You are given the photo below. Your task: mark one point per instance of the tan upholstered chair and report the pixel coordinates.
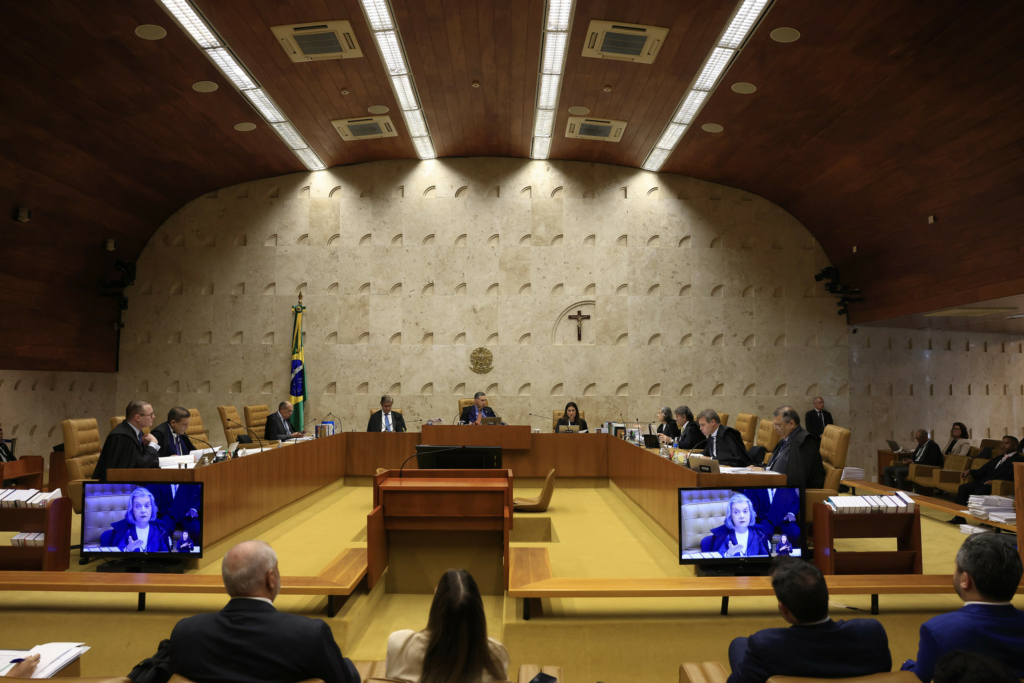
(1002, 488)
(114, 421)
(106, 506)
(466, 402)
(835, 442)
(557, 415)
(746, 424)
(703, 672)
(234, 428)
(928, 476)
(81, 453)
(196, 427)
(724, 417)
(541, 502)
(256, 418)
(949, 481)
(887, 677)
(767, 435)
(702, 511)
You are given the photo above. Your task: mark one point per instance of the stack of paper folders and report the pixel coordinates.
(1006, 517)
(26, 540)
(972, 529)
(174, 462)
(982, 507)
(899, 501)
(26, 498)
(853, 474)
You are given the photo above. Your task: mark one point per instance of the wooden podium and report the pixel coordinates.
(509, 437)
(475, 503)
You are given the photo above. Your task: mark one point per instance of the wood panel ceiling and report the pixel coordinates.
(882, 114)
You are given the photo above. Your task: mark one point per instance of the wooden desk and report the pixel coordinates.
(509, 437)
(367, 451)
(244, 490)
(26, 470)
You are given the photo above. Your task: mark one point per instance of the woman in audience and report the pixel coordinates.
(140, 531)
(454, 648)
(959, 440)
(572, 418)
(738, 538)
(666, 425)
(689, 431)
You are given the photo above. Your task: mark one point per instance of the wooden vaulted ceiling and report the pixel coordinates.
(882, 114)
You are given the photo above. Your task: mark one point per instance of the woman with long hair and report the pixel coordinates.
(454, 648)
(959, 440)
(572, 418)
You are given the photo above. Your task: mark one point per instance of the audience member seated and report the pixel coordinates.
(170, 436)
(798, 454)
(926, 453)
(454, 646)
(967, 667)
(126, 446)
(278, 428)
(959, 440)
(572, 418)
(249, 641)
(988, 571)
(996, 469)
(724, 444)
(23, 669)
(814, 646)
(739, 536)
(689, 431)
(666, 425)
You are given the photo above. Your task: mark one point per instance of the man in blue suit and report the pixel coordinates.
(814, 646)
(472, 415)
(988, 571)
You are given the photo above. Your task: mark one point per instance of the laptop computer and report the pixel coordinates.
(490, 421)
(651, 441)
(705, 465)
(895, 447)
(568, 429)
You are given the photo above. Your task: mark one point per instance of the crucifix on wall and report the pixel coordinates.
(579, 318)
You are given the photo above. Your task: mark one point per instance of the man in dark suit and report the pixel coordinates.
(249, 641)
(386, 420)
(814, 646)
(278, 427)
(478, 411)
(817, 419)
(126, 446)
(996, 469)
(170, 435)
(725, 444)
(179, 507)
(775, 511)
(988, 572)
(5, 452)
(926, 453)
(798, 453)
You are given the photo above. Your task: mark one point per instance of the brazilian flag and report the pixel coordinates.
(298, 382)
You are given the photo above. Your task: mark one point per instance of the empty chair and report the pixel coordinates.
(256, 418)
(231, 421)
(746, 425)
(541, 502)
(82, 448)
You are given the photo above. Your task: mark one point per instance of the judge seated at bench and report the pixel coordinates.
(571, 418)
(724, 444)
(798, 453)
(278, 427)
(385, 419)
(739, 537)
(140, 531)
(689, 432)
(666, 425)
(126, 446)
(474, 414)
(170, 435)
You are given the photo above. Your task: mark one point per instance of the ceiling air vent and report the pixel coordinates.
(628, 42)
(586, 128)
(319, 40)
(365, 128)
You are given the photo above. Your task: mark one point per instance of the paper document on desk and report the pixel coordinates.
(745, 470)
(52, 657)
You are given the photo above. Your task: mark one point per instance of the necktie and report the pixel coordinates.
(139, 435)
(479, 415)
(714, 447)
(174, 437)
(387, 424)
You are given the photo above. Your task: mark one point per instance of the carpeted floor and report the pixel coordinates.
(588, 532)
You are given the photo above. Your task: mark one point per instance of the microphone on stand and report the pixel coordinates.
(248, 430)
(332, 415)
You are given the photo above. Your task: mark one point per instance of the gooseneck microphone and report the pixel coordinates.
(248, 430)
(443, 450)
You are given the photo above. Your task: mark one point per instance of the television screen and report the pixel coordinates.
(458, 457)
(740, 525)
(122, 519)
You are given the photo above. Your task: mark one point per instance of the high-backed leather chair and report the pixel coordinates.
(114, 421)
(557, 415)
(767, 435)
(196, 427)
(746, 425)
(234, 428)
(702, 512)
(106, 505)
(256, 418)
(724, 418)
(466, 402)
(929, 477)
(835, 442)
(541, 502)
(82, 448)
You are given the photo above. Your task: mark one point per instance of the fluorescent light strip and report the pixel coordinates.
(234, 72)
(547, 95)
(541, 148)
(391, 52)
(310, 158)
(741, 23)
(554, 53)
(732, 39)
(417, 126)
(290, 135)
(260, 100)
(191, 22)
(713, 68)
(544, 120)
(378, 14)
(559, 15)
(404, 91)
(424, 148)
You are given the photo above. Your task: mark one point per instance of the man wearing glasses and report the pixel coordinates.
(126, 446)
(798, 453)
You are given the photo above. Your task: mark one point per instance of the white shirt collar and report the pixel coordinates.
(246, 597)
(138, 432)
(981, 602)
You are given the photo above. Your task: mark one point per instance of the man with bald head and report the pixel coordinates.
(926, 453)
(249, 641)
(278, 427)
(816, 420)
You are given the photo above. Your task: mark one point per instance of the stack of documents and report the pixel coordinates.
(52, 657)
(972, 529)
(1006, 517)
(853, 474)
(899, 501)
(983, 506)
(26, 540)
(26, 498)
(174, 462)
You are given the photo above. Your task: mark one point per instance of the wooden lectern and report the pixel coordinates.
(424, 501)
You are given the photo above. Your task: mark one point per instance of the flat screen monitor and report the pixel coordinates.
(142, 519)
(458, 457)
(743, 525)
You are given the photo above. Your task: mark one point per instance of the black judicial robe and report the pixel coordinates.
(122, 450)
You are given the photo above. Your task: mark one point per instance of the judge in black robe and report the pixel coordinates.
(127, 447)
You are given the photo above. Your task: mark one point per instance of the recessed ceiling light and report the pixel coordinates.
(785, 35)
(712, 128)
(245, 127)
(744, 88)
(476, 84)
(579, 111)
(607, 88)
(344, 92)
(378, 109)
(204, 86)
(151, 32)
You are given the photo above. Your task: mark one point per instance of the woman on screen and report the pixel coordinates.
(784, 547)
(140, 531)
(739, 538)
(572, 418)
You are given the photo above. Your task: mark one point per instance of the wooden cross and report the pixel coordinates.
(579, 318)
